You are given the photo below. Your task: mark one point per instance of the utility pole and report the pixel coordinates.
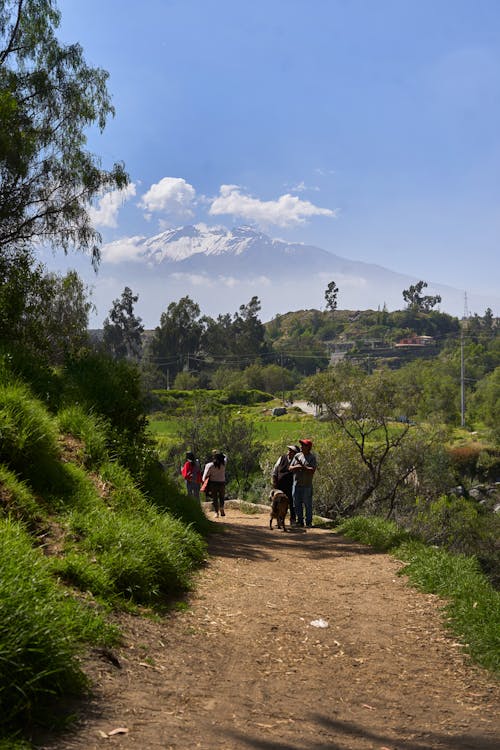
(462, 380)
(462, 363)
(282, 380)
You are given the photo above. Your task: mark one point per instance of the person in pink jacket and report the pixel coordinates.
(215, 472)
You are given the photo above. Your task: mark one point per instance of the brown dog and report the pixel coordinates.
(279, 507)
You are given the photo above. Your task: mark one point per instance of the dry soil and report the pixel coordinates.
(245, 664)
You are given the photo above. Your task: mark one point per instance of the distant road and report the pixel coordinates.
(307, 407)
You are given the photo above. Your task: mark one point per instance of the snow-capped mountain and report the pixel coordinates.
(223, 268)
(247, 252)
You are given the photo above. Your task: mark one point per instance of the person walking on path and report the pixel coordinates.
(191, 471)
(215, 472)
(303, 465)
(282, 477)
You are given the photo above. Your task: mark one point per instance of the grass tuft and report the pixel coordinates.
(89, 428)
(17, 500)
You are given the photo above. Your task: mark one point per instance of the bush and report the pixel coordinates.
(162, 491)
(108, 387)
(464, 459)
(19, 364)
(461, 526)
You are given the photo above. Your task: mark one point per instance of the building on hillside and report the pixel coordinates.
(415, 340)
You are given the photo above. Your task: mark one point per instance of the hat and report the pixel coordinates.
(293, 448)
(306, 442)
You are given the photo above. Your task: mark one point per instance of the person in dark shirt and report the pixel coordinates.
(303, 465)
(282, 477)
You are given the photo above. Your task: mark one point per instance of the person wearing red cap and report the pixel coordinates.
(303, 465)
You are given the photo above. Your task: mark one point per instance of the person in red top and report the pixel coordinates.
(191, 472)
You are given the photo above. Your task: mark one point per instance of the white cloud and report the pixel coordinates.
(171, 195)
(288, 210)
(301, 187)
(196, 279)
(106, 213)
(324, 172)
(126, 249)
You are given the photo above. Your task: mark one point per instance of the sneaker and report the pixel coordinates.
(300, 523)
(222, 512)
(309, 525)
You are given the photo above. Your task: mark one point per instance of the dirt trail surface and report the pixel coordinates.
(244, 667)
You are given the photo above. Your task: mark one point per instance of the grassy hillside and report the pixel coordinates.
(81, 534)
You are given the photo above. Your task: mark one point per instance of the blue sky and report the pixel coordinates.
(368, 127)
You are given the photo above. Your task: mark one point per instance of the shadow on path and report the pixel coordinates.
(256, 541)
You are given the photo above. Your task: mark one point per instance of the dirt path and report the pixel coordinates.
(243, 667)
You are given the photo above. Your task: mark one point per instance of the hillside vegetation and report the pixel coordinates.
(89, 524)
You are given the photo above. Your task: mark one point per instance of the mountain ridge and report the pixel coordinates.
(222, 268)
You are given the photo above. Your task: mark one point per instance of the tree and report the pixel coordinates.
(66, 306)
(363, 408)
(49, 96)
(205, 426)
(45, 314)
(123, 330)
(331, 294)
(177, 337)
(486, 402)
(239, 339)
(248, 331)
(417, 302)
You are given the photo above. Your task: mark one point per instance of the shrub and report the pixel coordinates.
(17, 363)
(109, 387)
(162, 491)
(464, 460)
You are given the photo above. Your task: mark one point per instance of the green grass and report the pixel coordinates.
(29, 433)
(471, 604)
(163, 427)
(89, 428)
(142, 557)
(287, 428)
(120, 541)
(41, 632)
(17, 499)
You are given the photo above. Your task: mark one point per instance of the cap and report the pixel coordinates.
(293, 448)
(306, 442)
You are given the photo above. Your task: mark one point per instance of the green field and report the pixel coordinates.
(287, 429)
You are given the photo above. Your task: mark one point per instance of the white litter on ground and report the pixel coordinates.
(319, 623)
